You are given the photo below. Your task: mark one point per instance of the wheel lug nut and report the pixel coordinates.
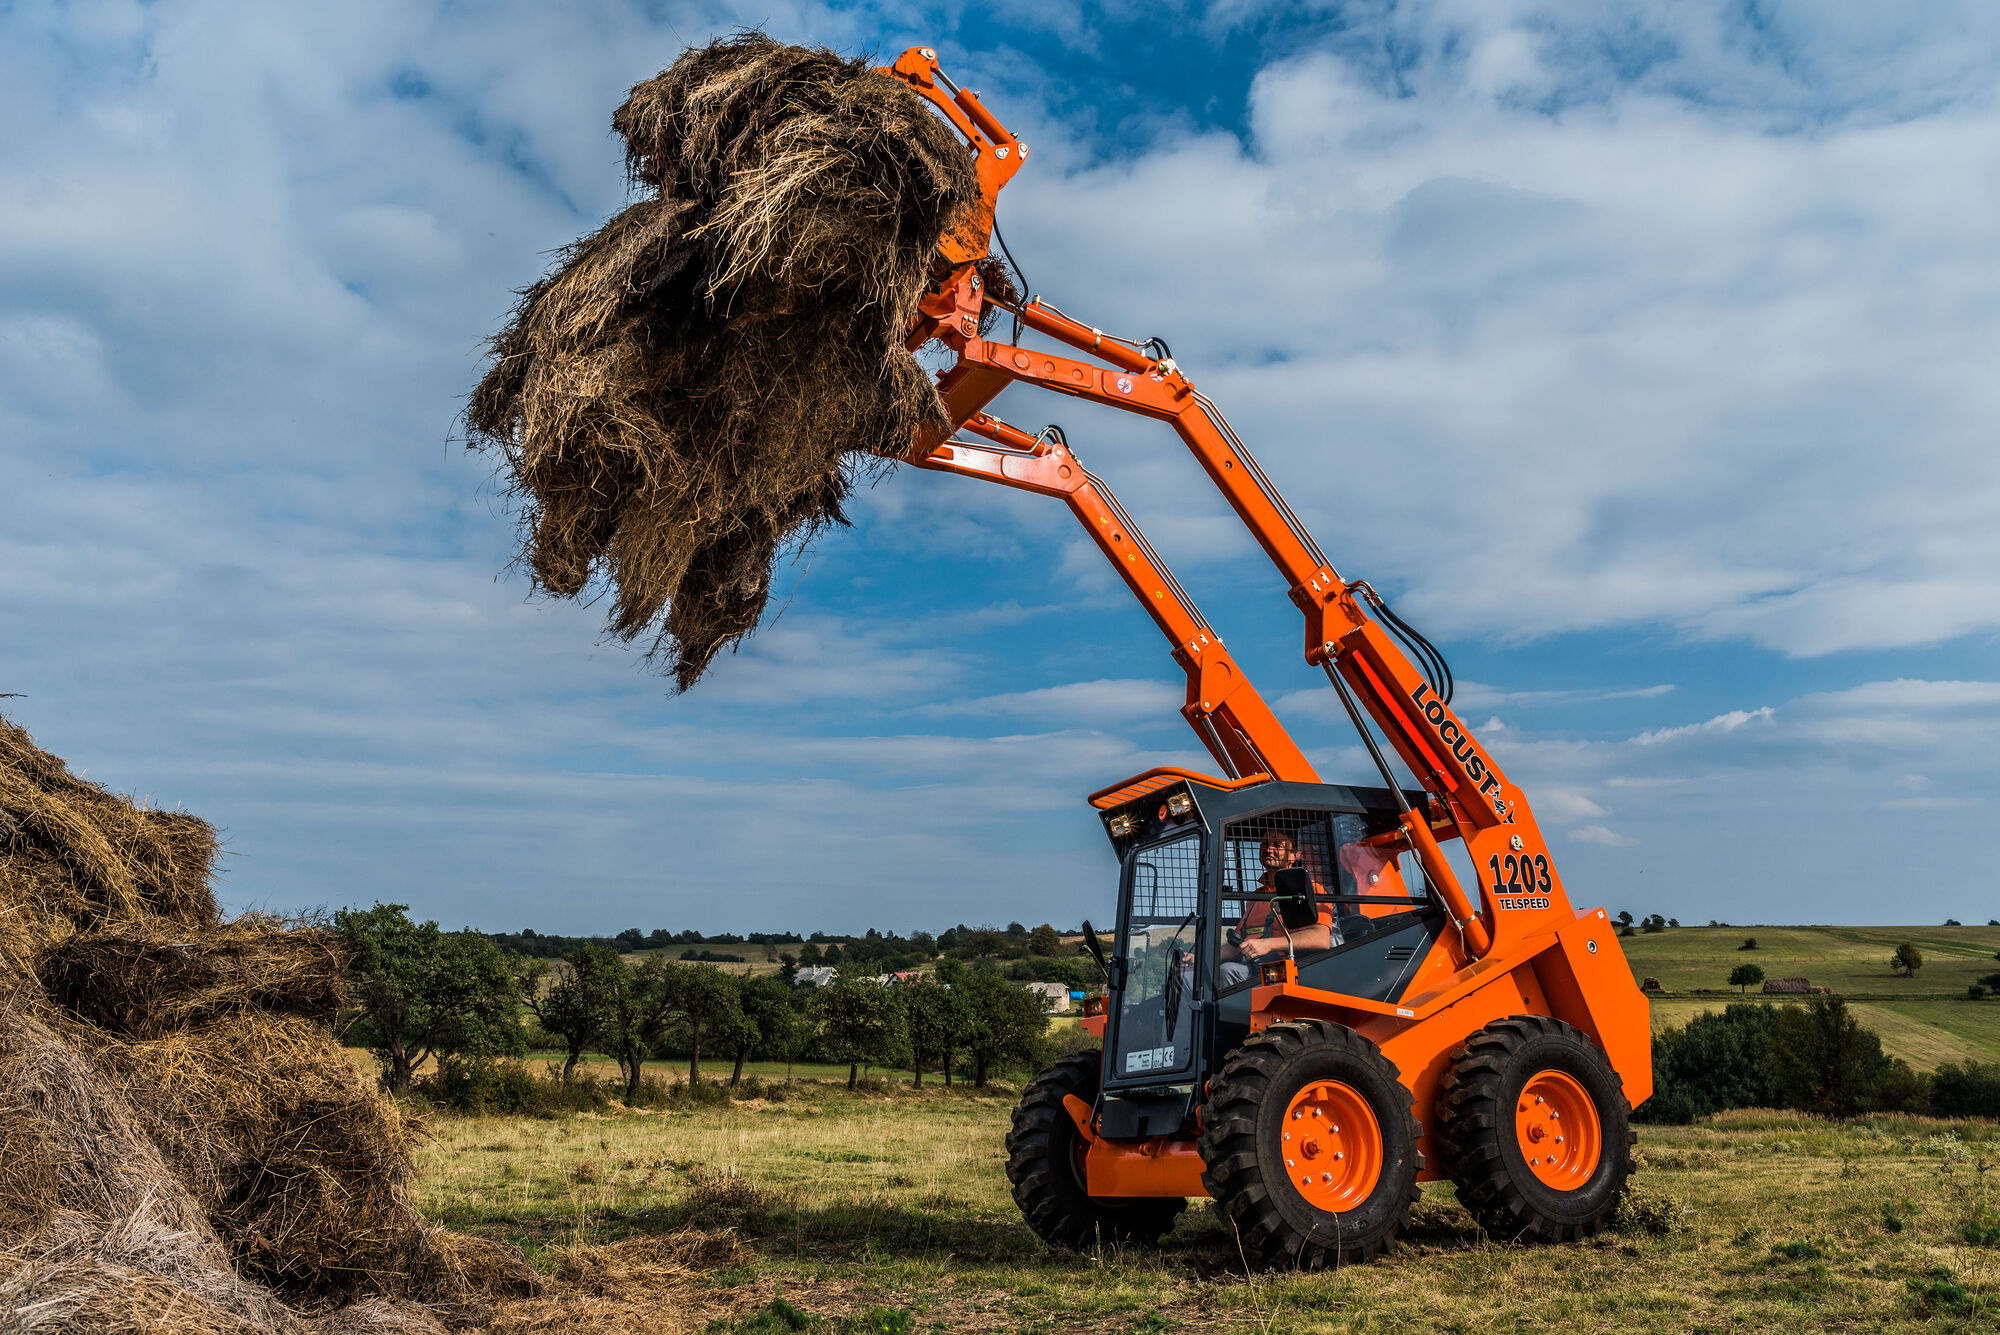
(1340, 1156)
(1326, 1177)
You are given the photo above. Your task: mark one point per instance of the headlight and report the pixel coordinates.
(1122, 825)
(1180, 804)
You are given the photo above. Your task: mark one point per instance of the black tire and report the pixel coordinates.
(1243, 1145)
(1482, 1147)
(1049, 1186)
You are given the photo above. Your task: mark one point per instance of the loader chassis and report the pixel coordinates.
(1479, 1029)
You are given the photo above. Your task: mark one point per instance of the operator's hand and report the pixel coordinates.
(1256, 948)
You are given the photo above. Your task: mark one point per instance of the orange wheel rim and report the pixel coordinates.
(1556, 1127)
(1332, 1146)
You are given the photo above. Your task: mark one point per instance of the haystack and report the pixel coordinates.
(183, 1144)
(695, 386)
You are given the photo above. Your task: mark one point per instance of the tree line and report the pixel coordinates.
(1817, 1058)
(424, 995)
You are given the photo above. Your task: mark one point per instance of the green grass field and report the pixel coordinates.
(888, 1212)
(1853, 961)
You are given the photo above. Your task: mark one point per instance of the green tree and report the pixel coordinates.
(770, 1022)
(860, 1022)
(1823, 1061)
(937, 1022)
(1653, 923)
(427, 993)
(1005, 1023)
(575, 1006)
(1044, 940)
(703, 999)
(1711, 1063)
(1907, 958)
(1745, 976)
(809, 955)
(637, 1017)
(1624, 922)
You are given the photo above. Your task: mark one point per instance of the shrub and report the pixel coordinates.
(1823, 1061)
(1968, 1090)
(1977, 992)
(1749, 943)
(1711, 1063)
(487, 1088)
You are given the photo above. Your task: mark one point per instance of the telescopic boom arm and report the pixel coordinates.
(1223, 708)
(1472, 797)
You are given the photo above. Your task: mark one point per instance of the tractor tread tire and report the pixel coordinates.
(1055, 1203)
(1274, 1230)
(1477, 1137)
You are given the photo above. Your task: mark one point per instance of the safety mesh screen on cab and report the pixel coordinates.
(1166, 882)
(1316, 834)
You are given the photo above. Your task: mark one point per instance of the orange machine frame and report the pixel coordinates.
(1525, 948)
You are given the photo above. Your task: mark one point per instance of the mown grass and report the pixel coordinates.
(889, 1211)
(1853, 961)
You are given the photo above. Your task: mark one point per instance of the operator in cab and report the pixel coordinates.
(1263, 932)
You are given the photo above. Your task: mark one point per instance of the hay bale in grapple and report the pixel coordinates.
(695, 385)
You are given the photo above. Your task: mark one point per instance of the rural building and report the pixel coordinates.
(815, 975)
(1055, 996)
(1795, 986)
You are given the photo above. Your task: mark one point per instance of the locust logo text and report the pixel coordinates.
(1463, 749)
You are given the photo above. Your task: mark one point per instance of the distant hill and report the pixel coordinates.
(1926, 1019)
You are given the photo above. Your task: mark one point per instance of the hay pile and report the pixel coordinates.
(183, 1144)
(696, 383)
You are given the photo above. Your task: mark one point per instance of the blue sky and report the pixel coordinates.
(1643, 352)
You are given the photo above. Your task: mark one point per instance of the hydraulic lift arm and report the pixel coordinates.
(1472, 797)
(1223, 708)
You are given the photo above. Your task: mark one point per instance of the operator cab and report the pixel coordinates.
(1192, 884)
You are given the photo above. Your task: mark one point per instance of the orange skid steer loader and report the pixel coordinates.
(1307, 1011)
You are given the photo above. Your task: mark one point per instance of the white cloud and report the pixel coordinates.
(1730, 722)
(1554, 339)
(1682, 364)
